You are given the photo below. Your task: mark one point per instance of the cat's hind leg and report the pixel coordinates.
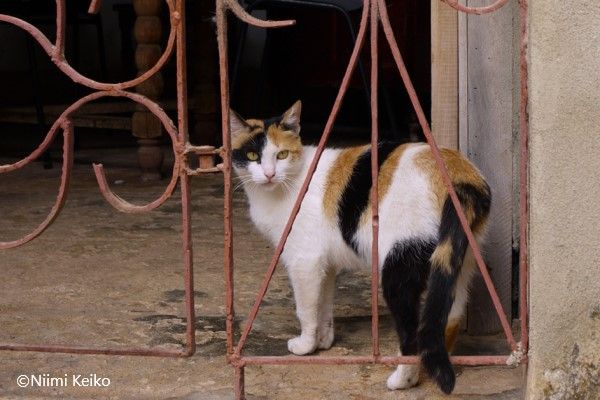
(445, 280)
(307, 280)
(403, 280)
(326, 327)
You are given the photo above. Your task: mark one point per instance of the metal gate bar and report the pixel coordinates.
(378, 13)
(180, 146)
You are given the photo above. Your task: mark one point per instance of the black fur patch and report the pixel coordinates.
(272, 121)
(403, 280)
(256, 144)
(355, 198)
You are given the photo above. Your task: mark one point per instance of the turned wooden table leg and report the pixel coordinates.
(146, 128)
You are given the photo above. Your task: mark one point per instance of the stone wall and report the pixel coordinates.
(565, 199)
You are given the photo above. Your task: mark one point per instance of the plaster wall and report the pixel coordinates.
(564, 51)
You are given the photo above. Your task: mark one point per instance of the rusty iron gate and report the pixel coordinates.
(182, 149)
(374, 14)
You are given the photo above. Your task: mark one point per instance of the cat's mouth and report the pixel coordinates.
(269, 185)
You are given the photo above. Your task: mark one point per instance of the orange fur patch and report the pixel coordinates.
(451, 334)
(255, 127)
(386, 173)
(442, 256)
(285, 140)
(255, 123)
(460, 171)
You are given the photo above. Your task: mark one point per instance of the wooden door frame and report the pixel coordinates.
(444, 74)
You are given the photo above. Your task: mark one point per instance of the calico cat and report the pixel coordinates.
(424, 258)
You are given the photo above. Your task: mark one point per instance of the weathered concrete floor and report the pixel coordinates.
(102, 278)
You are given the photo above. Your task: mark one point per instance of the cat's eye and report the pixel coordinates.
(282, 155)
(252, 155)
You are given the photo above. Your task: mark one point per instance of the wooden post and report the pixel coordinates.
(489, 111)
(444, 74)
(472, 61)
(148, 34)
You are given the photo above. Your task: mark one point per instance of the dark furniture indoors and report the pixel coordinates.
(42, 13)
(348, 10)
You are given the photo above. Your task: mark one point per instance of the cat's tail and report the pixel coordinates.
(445, 265)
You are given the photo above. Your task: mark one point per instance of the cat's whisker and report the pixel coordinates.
(242, 177)
(242, 183)
(290, 185)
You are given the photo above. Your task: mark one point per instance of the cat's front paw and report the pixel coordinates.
(404, 377)
(326, 337)
(301, 345)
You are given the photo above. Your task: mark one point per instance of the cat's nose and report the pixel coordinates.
(269, 175)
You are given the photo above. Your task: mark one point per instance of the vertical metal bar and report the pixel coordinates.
(374, 180)
(239, 383)
(182, 95)
(190, 329)
(58, 53)
(178, 17)
(523, 179)
(226, 155)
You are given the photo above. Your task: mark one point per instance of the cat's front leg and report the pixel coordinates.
(307, 280)
(326, 327)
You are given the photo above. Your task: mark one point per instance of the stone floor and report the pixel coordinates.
(99, 277)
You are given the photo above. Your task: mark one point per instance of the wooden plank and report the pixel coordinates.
(488, 137)
(444, 74)
(463, 87)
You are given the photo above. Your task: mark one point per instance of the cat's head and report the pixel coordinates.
(267, 153)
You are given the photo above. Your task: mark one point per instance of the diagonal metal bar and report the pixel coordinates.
(95, 6)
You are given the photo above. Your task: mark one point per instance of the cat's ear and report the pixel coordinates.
(237, 125)
(291, 118)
